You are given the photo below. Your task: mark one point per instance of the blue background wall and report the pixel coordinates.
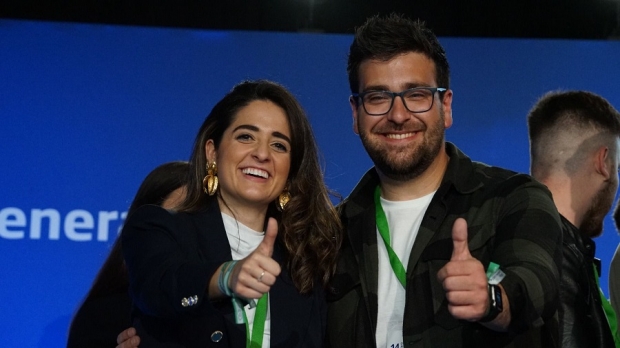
(86, 111)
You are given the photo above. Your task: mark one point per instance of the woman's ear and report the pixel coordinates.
(210, 151)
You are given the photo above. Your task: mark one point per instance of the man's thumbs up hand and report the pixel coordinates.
(464, 279)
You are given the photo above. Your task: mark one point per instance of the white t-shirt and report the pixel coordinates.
(404, 219)
(243, 241)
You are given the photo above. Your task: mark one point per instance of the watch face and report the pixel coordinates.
(497, 297)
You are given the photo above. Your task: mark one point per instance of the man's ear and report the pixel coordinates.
(600, 162)
(446, 104)
(354, 108)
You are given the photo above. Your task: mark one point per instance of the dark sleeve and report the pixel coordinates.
(614, 282)
(528, 248)
(574, 287)
(99, 321)
(164, 263)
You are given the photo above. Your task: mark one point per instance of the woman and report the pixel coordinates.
(106, 310)
(245, 259)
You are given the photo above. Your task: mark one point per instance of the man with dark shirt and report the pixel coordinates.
(574, 144)
(614, 269)
(426, 223)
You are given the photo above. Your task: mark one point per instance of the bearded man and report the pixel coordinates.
(574, 142)
(424, 225)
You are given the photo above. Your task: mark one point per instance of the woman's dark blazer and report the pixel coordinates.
(171, 257)
(99, 320)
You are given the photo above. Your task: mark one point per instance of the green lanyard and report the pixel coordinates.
(258, 328)
(384, 231)
(609, 311)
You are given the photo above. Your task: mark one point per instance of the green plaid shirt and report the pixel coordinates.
(512, 221)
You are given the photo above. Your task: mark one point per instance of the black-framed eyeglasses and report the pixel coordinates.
(417, 99)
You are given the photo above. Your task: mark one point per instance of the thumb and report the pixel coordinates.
(266, 246)
(459, 240)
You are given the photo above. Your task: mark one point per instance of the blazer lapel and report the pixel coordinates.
(290, 312)
(212, 234)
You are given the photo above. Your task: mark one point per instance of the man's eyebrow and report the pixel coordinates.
(408, 85)
(376, 88)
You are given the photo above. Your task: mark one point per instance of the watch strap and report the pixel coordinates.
(495, 304)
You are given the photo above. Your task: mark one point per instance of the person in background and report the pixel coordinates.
(106, 310)
(246, 257)
(423, 227)
(574, 147)
(614, 269)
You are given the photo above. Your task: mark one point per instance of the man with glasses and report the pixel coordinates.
(439, 251)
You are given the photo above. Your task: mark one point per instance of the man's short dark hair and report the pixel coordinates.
(384, 38)
(572, 107)
(556, 122)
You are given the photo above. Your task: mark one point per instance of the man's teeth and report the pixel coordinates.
(400, 136)
(256, 172)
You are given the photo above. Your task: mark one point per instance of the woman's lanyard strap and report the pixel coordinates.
(258, 327)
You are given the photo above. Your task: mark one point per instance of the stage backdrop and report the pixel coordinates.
(86, 111)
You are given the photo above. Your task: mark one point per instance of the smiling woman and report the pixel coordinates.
(251, 248)
(253, 160)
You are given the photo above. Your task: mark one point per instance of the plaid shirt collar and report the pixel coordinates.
(458, 175)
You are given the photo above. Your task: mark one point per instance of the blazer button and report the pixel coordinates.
(217, 336)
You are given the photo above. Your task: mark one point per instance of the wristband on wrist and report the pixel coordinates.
(223, 280)
(494, 274)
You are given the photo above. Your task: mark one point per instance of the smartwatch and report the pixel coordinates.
(496, 306)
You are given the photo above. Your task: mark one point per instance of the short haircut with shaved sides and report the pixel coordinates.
(561, 119)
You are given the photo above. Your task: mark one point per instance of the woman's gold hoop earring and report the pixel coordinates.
(210, 182)
(283, 199)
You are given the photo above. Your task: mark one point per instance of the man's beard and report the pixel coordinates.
(616, 216)
(406, 163)
(592, 224)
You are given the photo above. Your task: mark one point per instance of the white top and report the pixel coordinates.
(243, 241)
(404, 219)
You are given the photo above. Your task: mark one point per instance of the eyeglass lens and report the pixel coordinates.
(414, 99)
